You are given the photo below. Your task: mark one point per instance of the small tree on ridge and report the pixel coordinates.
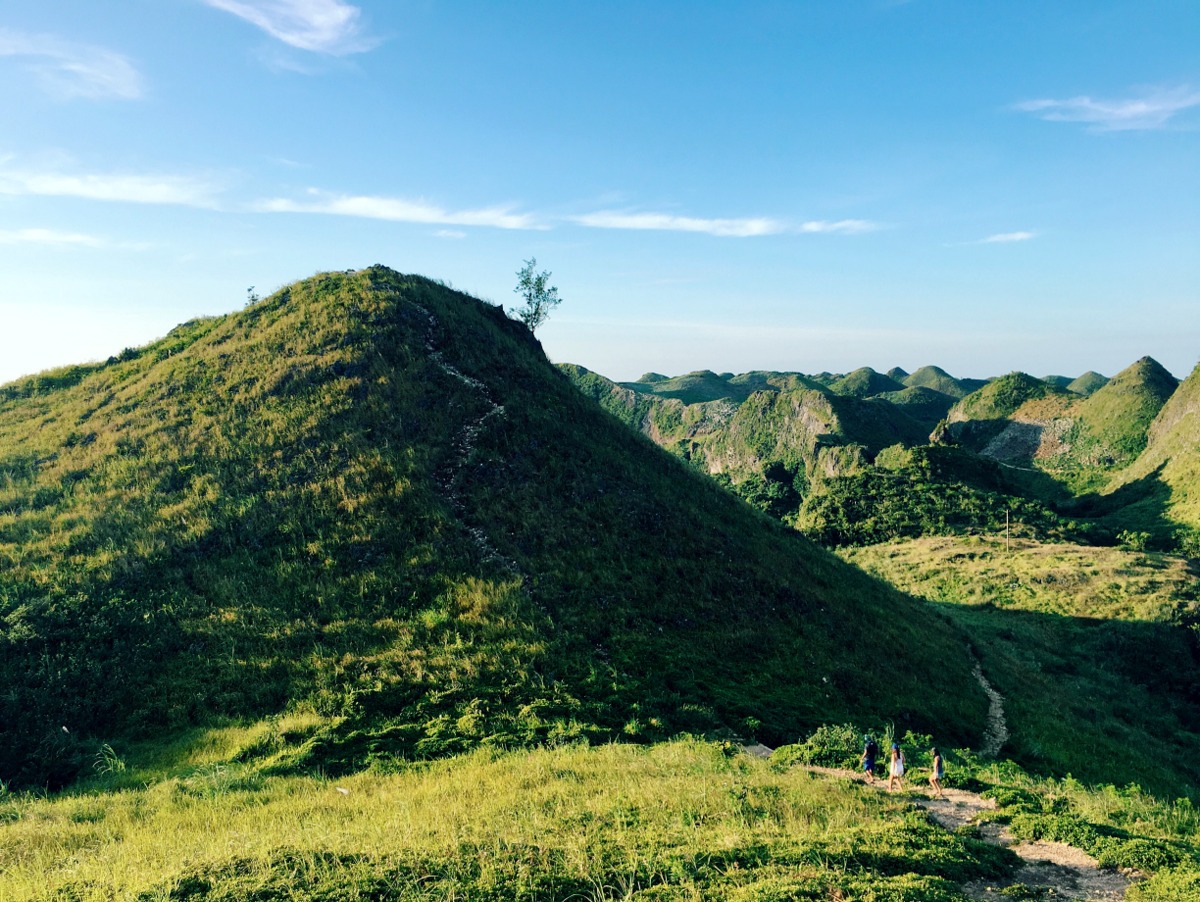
(540, 296)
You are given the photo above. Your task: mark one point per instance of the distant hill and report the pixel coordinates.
(1087, 383)
(1021, 420)
(864, 383)
(980, 417)
(371, 498)
(938, 379)
(1170, 463)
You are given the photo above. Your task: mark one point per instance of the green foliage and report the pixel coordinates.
(540, 296)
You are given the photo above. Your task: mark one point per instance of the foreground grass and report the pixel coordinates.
(683, 820)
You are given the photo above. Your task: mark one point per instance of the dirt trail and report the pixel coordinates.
(464, 445)
(1064, 871)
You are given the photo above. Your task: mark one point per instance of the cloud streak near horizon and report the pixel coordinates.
(396, 209)
(1008, 237)
(1151, 111)
(69, 70)
(185, 191)
(723, 228)
(318, 26)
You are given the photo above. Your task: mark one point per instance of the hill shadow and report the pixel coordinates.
(1107, 701)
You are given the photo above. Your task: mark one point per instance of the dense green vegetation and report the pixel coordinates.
(370, 499)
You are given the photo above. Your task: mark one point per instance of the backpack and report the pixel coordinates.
(872, 749)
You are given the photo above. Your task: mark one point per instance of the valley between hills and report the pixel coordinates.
(352, 594)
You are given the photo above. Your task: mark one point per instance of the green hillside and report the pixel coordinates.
(981, 416)
(778, 442)
(864, 382)
(925, 405)
(1087, 383)
(369, 498)
(1088, 646)
(937, 379)
(1112, 422)
(1167, 472)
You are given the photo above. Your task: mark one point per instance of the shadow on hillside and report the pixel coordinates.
(1139, 505)
(1110, 701)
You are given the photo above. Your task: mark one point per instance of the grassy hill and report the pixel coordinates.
(937, 379)
(864, 383)
(1096, 650)
(1087, 383)
(1113, 421)
(369, 500)
(1167, 473)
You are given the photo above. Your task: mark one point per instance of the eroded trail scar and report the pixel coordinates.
(996, 732)
(464, 445)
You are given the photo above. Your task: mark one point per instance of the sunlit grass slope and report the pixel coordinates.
(680, 821)
(371, 498)
(1096, 650)
(1172, 457)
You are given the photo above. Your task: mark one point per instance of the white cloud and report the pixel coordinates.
(137, 189)
(320, 26)
(844, 226)
(1150, 111)
(665, 222)
(68, 70)
(49, 237)
(396, 209)
(1005, 237)
(450, 233)
(723, 228)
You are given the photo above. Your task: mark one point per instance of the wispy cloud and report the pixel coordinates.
(1006, 237)
(665, 222)
(56, 238)
(1149, 111)
(723, 228)
(49, 237)
(396, 209)
(844, 226)
(136, 189)
(320, 26)
(68, 70)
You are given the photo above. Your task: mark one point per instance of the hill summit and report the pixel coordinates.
(371, 498)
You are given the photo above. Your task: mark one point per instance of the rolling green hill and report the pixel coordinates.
(1169, 467)
(864, 382)
(370, 499)
(1087, 383)
(939, 380)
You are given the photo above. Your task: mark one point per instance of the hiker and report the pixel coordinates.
(938, 771)
(896, 769)
(870, 753)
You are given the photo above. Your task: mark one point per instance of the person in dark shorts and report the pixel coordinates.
(870, 753)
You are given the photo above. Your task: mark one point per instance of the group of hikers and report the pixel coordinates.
(896, 766)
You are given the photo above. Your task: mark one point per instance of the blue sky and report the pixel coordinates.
(758, 185)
